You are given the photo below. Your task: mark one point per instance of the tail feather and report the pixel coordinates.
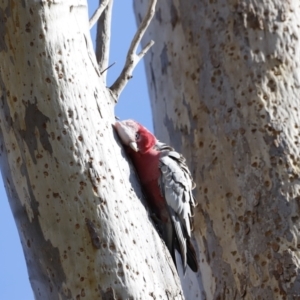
(180, 236)
(176, 237)
(191, 256)
(183, 244)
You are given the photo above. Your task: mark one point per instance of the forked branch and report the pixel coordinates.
(132, 58)
(97, 14)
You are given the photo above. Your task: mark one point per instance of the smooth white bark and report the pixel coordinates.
(224, 82)
(84, 232)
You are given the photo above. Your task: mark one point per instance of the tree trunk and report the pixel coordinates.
(224, 82)
(85, 233)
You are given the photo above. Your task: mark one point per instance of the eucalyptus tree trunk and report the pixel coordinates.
(85, 233)
(224, 83)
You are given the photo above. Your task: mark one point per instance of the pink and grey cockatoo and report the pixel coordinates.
(168, 185)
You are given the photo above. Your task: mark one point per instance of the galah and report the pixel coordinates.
(167, 183)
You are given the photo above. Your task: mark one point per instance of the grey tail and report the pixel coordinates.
(182, 242)
(191, 256)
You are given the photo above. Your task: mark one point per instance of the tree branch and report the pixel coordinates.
(98, 13)
(103, 38)
(132, 58)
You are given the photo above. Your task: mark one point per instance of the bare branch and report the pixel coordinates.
(103, 38)
(98, 13)
(132, 58)
(108, 67)
(145, 50)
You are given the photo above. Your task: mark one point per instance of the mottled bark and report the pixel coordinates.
(84, 232)
(224, 83)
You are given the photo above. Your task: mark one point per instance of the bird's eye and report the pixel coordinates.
(137, 136)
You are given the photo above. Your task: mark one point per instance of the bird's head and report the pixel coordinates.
(134, 135)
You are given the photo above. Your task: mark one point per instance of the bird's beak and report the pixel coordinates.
(133, 146)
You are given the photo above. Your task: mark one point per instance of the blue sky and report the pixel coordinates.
(133, 103)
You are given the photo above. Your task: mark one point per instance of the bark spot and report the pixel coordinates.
(254, 22)
(109, 294)
(158, 15)
(4, 106)
(174, 16)
(164, 60)
(70, 113)
(93, 233)
(34, 118)
(272, 85)
(112, 247)
(82, 293)
(237, 227)
(275, 247)
(94, 177)
(153, 78)
(28, 27)
(3, 18)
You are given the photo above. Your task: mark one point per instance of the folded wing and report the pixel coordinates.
(176, 186)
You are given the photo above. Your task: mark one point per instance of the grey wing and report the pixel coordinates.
(176, 185)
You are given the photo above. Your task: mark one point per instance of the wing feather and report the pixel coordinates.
(180, 236)
(176, 186)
